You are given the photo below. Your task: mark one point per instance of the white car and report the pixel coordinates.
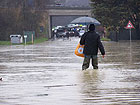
(81, 32)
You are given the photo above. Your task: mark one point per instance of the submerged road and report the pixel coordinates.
(50, 74)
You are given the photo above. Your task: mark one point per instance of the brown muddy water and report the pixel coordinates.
(50, 74)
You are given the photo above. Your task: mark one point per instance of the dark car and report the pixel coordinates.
(72, 33)
(61, 32)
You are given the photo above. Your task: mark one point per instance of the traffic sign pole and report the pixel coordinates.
(130, 26)
(130, 34)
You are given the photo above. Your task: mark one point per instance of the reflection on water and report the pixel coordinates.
(51, 73)
(109, 87)
(90, 84)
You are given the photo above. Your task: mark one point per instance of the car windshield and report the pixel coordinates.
(61, 30)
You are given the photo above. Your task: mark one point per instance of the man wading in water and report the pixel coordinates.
(92, 42)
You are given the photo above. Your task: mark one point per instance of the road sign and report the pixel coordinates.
(129, 25)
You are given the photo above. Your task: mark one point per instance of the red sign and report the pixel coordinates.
(129, 25)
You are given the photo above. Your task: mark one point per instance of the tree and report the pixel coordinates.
(114, 14)
(133, 8)
(17, 16)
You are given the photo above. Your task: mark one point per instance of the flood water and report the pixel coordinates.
(50, 74)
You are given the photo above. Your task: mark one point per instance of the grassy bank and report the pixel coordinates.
(38, 40)
(5, 43)
(105, 39)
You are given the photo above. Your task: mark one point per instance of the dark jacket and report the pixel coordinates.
(92, 42)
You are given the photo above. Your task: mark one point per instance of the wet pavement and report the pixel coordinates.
(50, 74)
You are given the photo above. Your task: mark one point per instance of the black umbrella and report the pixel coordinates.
(85, 21)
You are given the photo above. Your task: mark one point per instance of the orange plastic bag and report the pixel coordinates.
(79, 50)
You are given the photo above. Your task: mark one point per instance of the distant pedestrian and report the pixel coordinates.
(53, 35)
(92, 43)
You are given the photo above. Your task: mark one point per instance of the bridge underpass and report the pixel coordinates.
(62, 17)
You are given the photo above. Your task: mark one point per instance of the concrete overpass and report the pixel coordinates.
(63, 16)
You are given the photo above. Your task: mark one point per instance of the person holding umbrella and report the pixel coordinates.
(91, 41)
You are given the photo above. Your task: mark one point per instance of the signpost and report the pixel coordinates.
(25, 37)
(129, 26)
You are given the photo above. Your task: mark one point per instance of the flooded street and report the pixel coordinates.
(50, 74)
